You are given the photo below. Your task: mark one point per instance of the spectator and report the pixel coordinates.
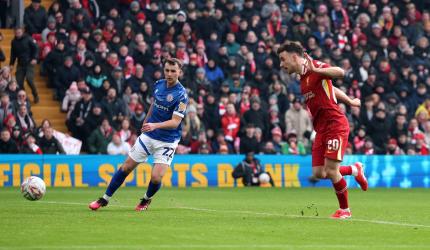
(248, 142)
(220, 145)
(49, 144)
(359, 139)
(214, 74)
(35, 18)
(192, 122)
(399, 126)
(393, 148)
(22, 100)
(65, 76)
(7, 145)
(6, 108)
(277, 140)
(117, 146)
(293, 146)
(79, 115)
(200, 82)
(100, 138)
(125, 131)
(368, 148)
(24, 120)
(93, 120)
(421, 148)
(230, 123)
(40, 130)
(200, 143)
(51, 28)
(72, 97)
(297, 119)
(269, 148)
(249, 170)
(135, 80)
(269, 8)
(5, 78)
(137, 118)
(25, 51)
(96, 78)
(379, 129)
(257, 116)
(114, 107)
(53, 61)
(30, 146)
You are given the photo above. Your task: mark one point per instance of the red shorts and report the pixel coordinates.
(331, 145)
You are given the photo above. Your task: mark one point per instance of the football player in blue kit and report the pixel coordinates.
(161, 132)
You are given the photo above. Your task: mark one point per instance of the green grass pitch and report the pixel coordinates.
(216, 218)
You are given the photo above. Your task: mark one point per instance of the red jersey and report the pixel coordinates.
(321, 100)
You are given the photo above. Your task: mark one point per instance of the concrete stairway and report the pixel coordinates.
(47, 108)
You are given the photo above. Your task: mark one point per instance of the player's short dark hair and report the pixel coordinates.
(291, 47)
(174, 61)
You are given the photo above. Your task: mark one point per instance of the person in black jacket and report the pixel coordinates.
(248, 143)
(49, 144)
(35, 17)
(66, 74)
(53, 62)
(25, 50)
(249, 170)
(93, 120)
(7, 145)
(379, 128)
(114, 108)
(77, 119)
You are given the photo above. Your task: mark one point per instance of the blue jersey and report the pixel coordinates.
(167, 101)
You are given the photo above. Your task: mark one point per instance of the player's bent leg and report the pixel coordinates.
(340, 187)
(356, 170)
(116, 181)
(360, 177)
(158, 171)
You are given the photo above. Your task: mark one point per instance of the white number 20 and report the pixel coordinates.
(333, 145)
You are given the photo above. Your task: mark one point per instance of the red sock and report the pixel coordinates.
(345, 170)
(341, 193)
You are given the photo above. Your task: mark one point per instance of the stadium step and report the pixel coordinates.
(41, 112)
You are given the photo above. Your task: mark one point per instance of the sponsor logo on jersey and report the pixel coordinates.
(309, 95)
(169, 97)
(159, 106)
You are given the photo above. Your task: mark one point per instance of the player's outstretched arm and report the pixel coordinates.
(341, 96)
(332, 72)
(169, 124)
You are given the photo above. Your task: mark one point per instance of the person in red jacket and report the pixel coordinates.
(230, 123)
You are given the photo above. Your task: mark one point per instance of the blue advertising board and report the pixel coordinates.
(206, 170)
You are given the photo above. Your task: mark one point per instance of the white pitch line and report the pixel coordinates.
(381, 222)
(394, 223)
(214, 246)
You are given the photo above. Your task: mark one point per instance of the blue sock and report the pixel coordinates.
(152, 189)
(116, 182)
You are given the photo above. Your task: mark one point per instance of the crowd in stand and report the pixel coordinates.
(102, 57)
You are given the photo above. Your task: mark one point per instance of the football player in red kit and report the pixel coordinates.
(330, 124)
